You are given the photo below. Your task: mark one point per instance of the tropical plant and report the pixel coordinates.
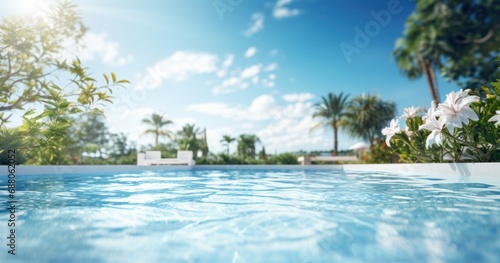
(30, 63)
(456, 38)
(11, 139)
(262, 154)
(465, 127)
(366, 116)
(187, 139)
(29, 50)
(121, 151)
(226, 142)
(247, 145)
(331, 111)
(203, 143)
(92, 134)
(157, 122)
(380, 153)
(284, 158)
(462, 128)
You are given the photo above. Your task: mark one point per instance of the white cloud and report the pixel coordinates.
(262, 104)
(287, 128)
(261, 108)
(96, 46)
(247, 125)
(271, 67)
(256, 25)
(273, 52)
(268, 83)
(282, 11)
(179, 67)
(225, 66)
(229, 85)
(250, 52)
(242, 80)
(292, 134)
(251, 71)
(298, 97)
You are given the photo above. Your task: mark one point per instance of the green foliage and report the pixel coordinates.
(29, 65)
(246, 146)
(381, 153)
(457, 38)
(120, 150)
(331, 111)
(11, 139)
(284, 158)
(221, 159)
(191, 138)
(225, 159)
(157, 122)
(367, 115)
(226, 142)
(477, 139)
(46, 133)
(91, 134)
(262, 154)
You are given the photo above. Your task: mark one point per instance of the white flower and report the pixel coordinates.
(435, 126)
(455, 109)
(408, 132)
(391, 131)
(431, 113)
(410, 112)
(496, 118)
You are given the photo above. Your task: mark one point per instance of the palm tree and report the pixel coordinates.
(246, 145)
(455, 38)
(204, 143)
(157, 122)
(367, 115)
(331, 111)
(187, 139)
(413, 64)
(226, 142)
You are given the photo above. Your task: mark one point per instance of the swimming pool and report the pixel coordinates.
(254, 216)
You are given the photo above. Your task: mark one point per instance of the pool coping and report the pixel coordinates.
(457, 169)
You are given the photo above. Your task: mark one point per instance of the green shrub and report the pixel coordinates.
(284, 158)
(11, 139)
(381, 153)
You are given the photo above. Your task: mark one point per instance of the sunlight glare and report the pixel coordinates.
(32, 8)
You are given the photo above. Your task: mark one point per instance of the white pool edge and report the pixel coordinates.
(430, 169)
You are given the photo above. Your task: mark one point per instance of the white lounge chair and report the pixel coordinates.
(154, 158)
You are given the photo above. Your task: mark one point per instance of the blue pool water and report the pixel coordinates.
(253, 216)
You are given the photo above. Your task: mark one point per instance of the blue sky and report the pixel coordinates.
(242, 66)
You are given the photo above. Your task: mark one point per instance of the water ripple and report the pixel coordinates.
(256, 216)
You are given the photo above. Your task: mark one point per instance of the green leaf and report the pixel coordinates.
(29, 112)
(75, 110)
(113, 76)
(106, 78)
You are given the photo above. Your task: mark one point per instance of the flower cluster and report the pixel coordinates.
(462, 128)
